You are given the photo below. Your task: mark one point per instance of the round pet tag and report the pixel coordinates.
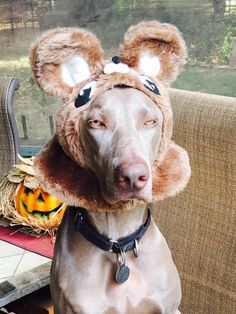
(122, 274)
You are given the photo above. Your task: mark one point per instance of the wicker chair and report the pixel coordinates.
(9, 142)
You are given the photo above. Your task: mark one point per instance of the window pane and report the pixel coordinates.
(209, 28)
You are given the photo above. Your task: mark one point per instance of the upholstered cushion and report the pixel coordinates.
(200, 223)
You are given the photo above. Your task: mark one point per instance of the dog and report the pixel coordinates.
(112, 155)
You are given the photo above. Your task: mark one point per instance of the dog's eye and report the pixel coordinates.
(96, 124)
(150, 123)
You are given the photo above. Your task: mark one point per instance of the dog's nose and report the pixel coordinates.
(131, 177)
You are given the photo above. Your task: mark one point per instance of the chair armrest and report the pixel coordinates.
(9, 138)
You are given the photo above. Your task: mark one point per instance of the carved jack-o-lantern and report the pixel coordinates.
(38, 204)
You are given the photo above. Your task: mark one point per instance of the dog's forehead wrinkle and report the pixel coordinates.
(119, 96)
(95, 114)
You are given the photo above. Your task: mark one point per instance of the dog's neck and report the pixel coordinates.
(115, 225)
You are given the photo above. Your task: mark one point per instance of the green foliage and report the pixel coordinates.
(120, 5)
(225, 49)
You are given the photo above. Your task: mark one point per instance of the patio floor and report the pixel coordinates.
(15, 260)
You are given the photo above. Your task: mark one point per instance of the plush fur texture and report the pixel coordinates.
(61, 166)
(159, 39)
(55, 47)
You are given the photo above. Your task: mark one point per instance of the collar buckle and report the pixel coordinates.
(113, 242)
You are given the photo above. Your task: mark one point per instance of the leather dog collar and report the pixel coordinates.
(118, 246)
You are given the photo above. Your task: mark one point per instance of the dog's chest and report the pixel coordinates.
(95, 296)
(93, 289)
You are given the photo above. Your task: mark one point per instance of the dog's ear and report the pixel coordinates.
(65, 57)
(154, 49)
(172, 174)
(64, 178)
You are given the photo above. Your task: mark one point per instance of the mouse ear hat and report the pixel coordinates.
(68, 62)
(63, 58)
(154, 49)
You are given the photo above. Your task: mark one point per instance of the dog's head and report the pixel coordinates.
(112, 147)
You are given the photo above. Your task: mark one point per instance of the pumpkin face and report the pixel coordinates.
(38, 204)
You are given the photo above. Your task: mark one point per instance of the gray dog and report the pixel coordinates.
(111, 156)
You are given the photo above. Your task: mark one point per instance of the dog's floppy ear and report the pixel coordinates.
(172, 174)
(65, 57)
(154, 49)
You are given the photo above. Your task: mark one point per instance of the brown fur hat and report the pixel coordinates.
(68, 62)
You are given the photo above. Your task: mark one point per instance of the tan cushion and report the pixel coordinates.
(200, 223)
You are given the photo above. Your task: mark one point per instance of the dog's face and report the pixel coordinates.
(120, 135)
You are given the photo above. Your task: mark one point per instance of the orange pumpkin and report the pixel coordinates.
(38, 204)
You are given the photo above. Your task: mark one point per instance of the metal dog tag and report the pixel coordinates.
(122, 274)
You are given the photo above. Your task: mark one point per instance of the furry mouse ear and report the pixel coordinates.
(154, 49)
(172, 174)
(65, 57)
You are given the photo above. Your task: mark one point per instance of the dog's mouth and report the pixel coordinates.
(115, 196)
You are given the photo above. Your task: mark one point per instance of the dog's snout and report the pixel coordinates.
(131, 177)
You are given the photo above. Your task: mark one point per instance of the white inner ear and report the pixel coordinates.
(149, 64)
(75, 70)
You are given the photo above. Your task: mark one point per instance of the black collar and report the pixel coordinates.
(118, 246)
